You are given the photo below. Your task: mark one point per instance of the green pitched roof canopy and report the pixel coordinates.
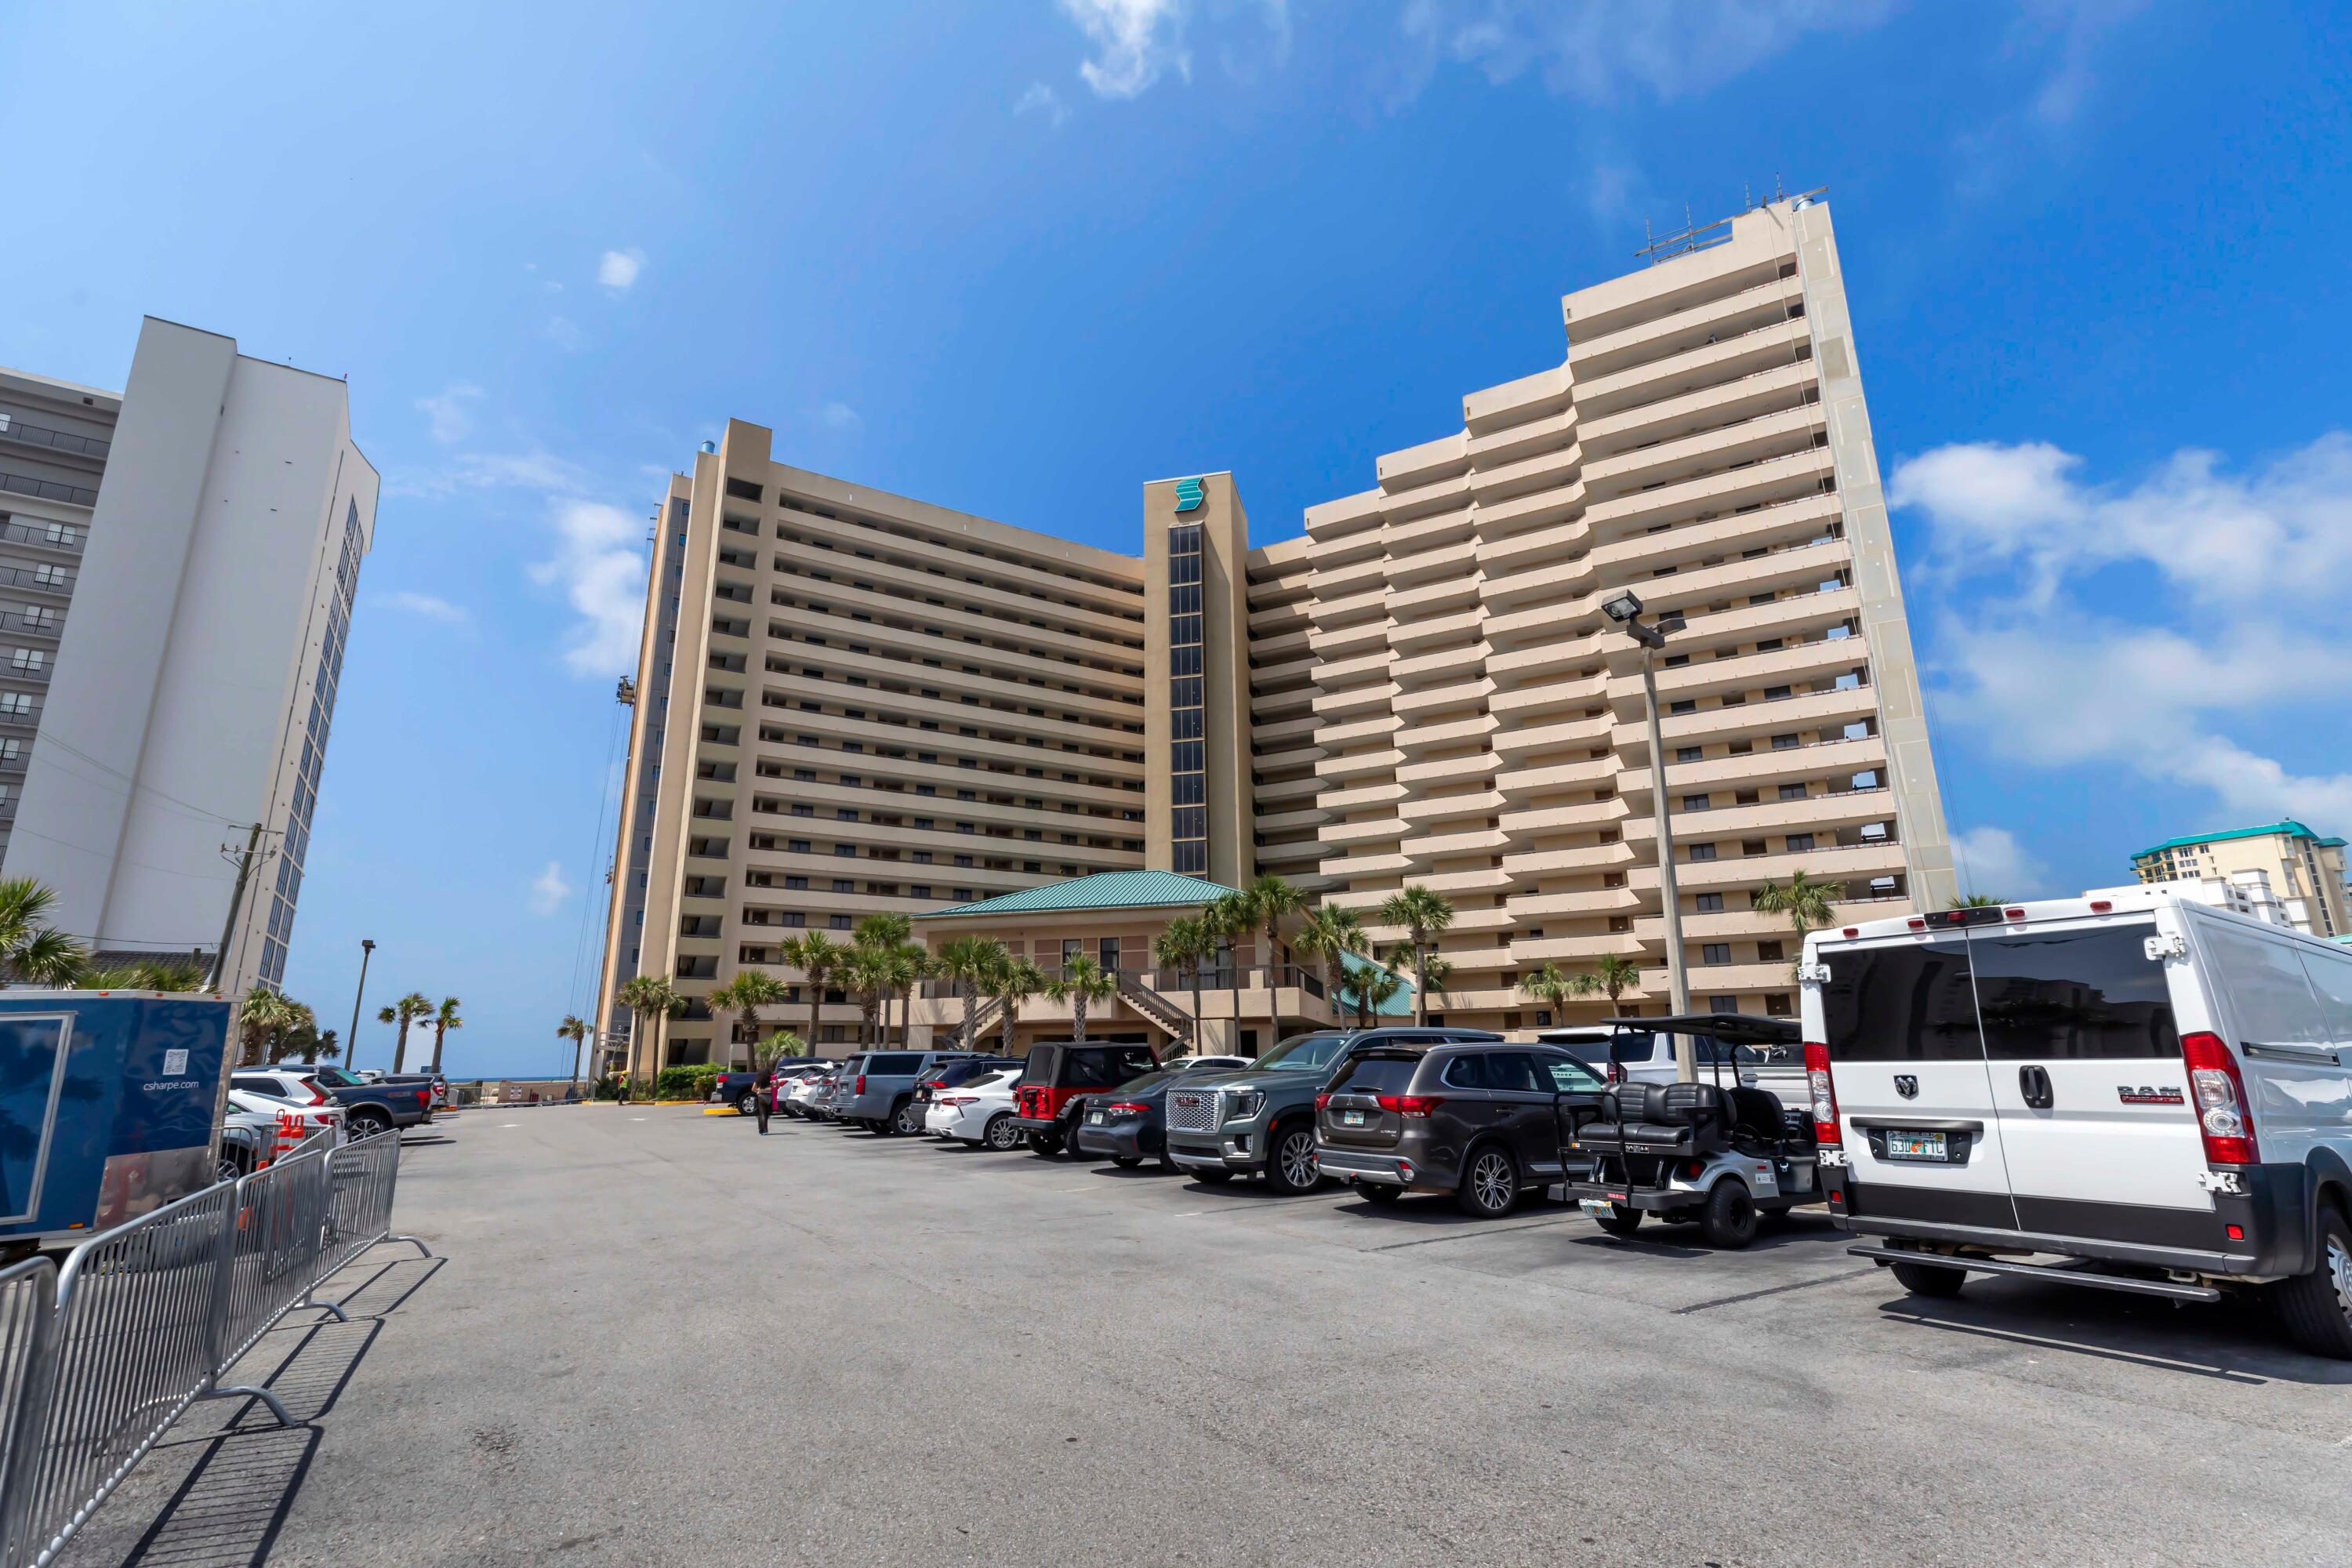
(2288, 825)
(1103, 890)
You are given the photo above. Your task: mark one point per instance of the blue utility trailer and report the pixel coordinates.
(109, 1105)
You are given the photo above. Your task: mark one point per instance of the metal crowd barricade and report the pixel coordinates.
(98, 1359)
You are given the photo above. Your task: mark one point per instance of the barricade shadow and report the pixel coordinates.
(2237, 1341)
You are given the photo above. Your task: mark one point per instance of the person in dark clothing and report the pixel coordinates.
(763, 1100)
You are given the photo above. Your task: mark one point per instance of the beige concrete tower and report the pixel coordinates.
(1705, 444)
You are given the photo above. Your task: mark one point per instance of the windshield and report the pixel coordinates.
(1303, 1052)
(336, 1078)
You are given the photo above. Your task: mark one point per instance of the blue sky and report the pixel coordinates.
(1016, 258)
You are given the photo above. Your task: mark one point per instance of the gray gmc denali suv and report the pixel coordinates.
(1260, 1119)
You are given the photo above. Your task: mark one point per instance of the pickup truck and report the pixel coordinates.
(368, 1108)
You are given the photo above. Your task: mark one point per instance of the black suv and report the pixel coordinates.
(1481, 1122)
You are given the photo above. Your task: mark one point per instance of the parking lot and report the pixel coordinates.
(659, 1338)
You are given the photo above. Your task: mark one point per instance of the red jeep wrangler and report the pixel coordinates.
(1061, 1073)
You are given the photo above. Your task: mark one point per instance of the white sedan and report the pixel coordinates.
(977, 1113)
(314, 1118)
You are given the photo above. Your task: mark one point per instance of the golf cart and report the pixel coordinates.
(1723, 1153)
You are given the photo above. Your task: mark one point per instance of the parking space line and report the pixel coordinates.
(1465, 1235)
(1775, 1290)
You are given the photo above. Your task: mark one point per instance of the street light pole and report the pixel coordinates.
(351, 1040)
(1625, 609)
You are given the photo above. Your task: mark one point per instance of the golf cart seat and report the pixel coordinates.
(1757, 1113)
(1690, 1118)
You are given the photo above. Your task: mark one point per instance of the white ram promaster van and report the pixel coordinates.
(2154, 1091)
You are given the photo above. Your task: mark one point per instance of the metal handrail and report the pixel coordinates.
(60, 440)
(49, 489)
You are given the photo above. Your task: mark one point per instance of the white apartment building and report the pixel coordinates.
(1704, 443)
(202, 614)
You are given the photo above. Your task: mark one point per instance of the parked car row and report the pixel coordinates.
(2155, 1093)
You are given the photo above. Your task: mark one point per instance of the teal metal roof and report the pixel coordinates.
(2287, 826)
(1103, 890)
(1397, 1006)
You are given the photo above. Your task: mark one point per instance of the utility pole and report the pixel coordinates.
(236, 901)
(1625, 609)
(351, 1041)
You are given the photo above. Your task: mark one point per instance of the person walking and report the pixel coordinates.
(763, 1100)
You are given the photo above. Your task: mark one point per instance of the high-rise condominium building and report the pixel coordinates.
(177, 562)
(850, 703)
(2283, 864)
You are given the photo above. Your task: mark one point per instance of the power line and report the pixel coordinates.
(609, 787)
(45, 744)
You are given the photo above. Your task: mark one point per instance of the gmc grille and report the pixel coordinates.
(1194, 1111)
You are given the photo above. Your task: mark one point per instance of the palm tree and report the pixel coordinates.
(765, 1054)
(750, 990)
(1332, 932)
(962, 963)
(260, 1017)
(903, 968)
(444, 1018)
(1372, 987)
(410, 1008)
(1424, 916)
(1181, 947)
(1225, 919)
(575, 1029)
(1805, 901)
(1614, 976)
(862, 977)
(30, 951)
(1010, 985)
(145, 976)
(1081, 982)
(1553, 987)
(818, 960)
(652, 999)
(1973, 902)
(1274, 901)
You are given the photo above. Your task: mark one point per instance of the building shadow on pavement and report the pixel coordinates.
(246, 1470)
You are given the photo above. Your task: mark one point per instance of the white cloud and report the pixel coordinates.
(426, 606)
(618, 269)
(564, 334)
(1043, 99)
(1134, 40)
(2230, 614)
(446, 414)
(1595, 49)
(841, 418)
(533, 469)
(549, 891)
(1993, 863)
(599, 564)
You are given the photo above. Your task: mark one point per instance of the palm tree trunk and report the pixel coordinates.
(1419, 984)
(1233, 980)
(1197, 1050)
(1011, 1008)
(1077, 1017)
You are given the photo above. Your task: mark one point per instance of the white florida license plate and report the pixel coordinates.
(1351, 1119)
(1594, 1206)
(1916, 1146)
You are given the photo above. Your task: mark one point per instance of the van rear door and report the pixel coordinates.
(1913, 1086)
(2087, 1078)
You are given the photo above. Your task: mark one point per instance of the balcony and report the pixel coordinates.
(48, 489)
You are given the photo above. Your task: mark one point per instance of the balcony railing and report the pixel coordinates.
(49, 489)
(48, 536)
(11, 429)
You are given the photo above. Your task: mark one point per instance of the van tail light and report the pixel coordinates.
(861, 1084)
(2224, 1117)
(1412, 1106)
(1323, 1101)
(1817, 1079)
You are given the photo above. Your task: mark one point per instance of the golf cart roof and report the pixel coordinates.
(1732, 1028)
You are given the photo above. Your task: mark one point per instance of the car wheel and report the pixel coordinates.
(227, 1168)
(1070, 1144)
(1291, 1166)
(907, 1119)
(1490, 1183)
(2317, 1307)
(1620, 1220)
(1931, 1278)
(1728, 1217)
(743, 1103)
(1002, 1134)
(365, 1123)
(1127, 1161)
(1378, 1193)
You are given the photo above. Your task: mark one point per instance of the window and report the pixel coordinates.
(1799, 842)
(1690, 753)
(1710, 903)
(795, 884)
(1714, 953)
(1702, 851)
(837, 923)
(1694, 803)
(1778, 1006)
(2096, 993)
(1771, 953)
(1792, 792)
(26, 660)
(1784, 743)
(1687, 705)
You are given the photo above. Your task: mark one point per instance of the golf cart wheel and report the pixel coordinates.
(2317, 1307)
(1620, 1220)
(1378, 1193)
(1929, 1279)
(1002, 1135)
(1728, 1217)
(907, 1119)
(1490, 1183)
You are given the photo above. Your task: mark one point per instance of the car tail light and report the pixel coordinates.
(1616, 1072)
(958, 1098)
(1817, 1078)
(861, 1084)
(1126, 1108)
(2219, 1096)
(1413, 1105)
(1323, 1101)
(318, 1096)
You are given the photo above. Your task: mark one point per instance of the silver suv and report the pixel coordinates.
(1261, 1120)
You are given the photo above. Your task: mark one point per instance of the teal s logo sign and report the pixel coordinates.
(1189, 495)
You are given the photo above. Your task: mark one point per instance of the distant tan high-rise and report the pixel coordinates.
(1705, 444)
(850, 702)
(2280, 863)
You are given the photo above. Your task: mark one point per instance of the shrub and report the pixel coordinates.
(694, 1082)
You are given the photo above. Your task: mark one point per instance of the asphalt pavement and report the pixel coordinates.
(654, 1337)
